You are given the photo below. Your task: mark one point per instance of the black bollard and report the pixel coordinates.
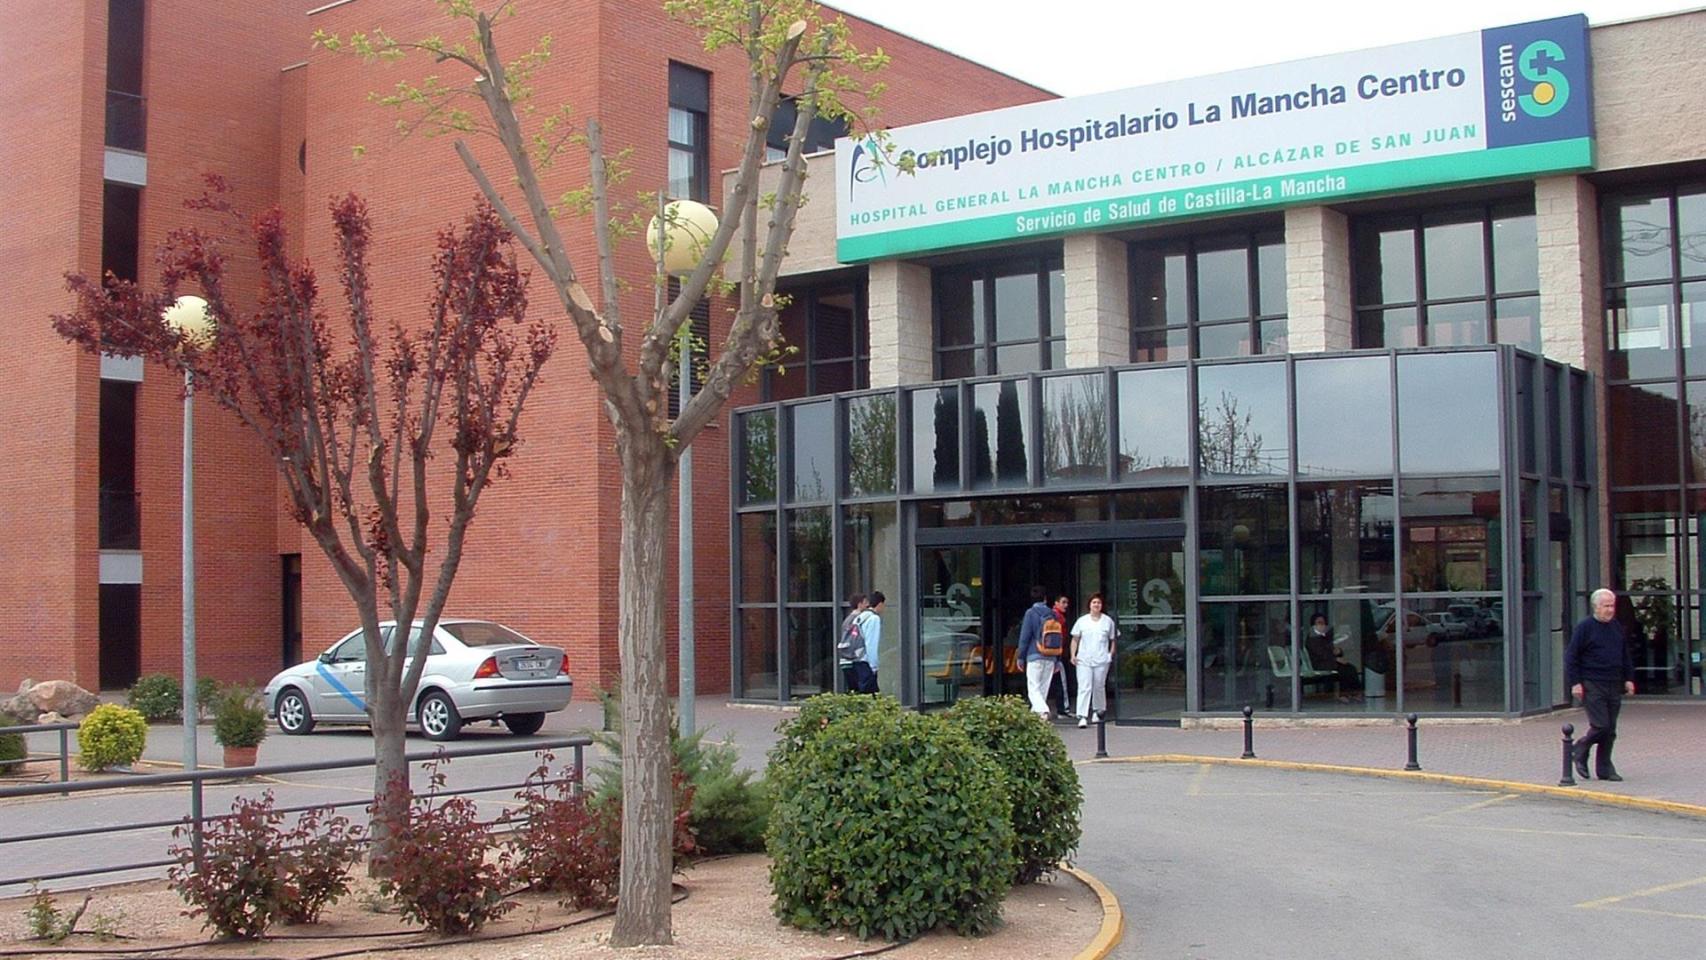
(1249, 733)
(1569, 777)
(1101, 734)
(1412, 765)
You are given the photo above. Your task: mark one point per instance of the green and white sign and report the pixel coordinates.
(1501, 103)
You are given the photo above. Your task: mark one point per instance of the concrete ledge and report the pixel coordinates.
(1113, 918)
(1651, 804)
(1291, 721)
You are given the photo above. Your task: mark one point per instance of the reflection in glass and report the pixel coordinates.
(811, 654)
(1159, 280)
(1460, 662)
(813, 442)
(1000, 424)
(1638, 328)
(1344, 537)
(1351, 665)
(1243, 540)
(810, 570)
(1148, 601)
(1691, 230)
(1386, 265)
(1217, 340)
(1344, 416)
(1166, 503)
(1057, 302)
(1270, 277)
(935, 439)
(1457, 324)
(1693, 329)
(1694, 430)
(870, 560)
(758, 639)
(1642, 433)
(1517, 322)
(1171, 343)
(1516, 254)
(959, 309)
(1075, 428)
(758, 457)
(1154, 436)
(1016, 307)
(1451, 539)
(1276, 336)
(1223, 284)
(1396, 327)
(1024, 357)
(1245, 656)
(1448, 413)
(1454, 260)
(1241, 419)
(757, 557)
(1638, 228)
(953, 659)
(1647, 543)
(871, 445)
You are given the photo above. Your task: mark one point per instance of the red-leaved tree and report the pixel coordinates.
(352, 412)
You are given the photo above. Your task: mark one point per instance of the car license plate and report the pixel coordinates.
(530, 664)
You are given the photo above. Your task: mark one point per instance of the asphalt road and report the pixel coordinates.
(1215, 863)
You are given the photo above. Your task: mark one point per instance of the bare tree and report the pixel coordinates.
(787, 45)
(352, 421)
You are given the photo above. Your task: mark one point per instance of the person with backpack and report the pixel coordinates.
(871, 627)
(1041, 642)
(850, 648)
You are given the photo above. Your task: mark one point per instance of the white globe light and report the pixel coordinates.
(190, 318)
(689, 227)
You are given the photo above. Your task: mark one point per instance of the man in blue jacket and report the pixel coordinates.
(1599, 670)
(1039, 669)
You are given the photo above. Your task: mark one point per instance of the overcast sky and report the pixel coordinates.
(1074, 47)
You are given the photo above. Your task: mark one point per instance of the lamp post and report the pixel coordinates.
(189, 317)
(677, 238)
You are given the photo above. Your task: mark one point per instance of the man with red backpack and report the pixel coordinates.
(1042, 641)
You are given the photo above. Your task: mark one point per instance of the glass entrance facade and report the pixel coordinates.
(1421, 502)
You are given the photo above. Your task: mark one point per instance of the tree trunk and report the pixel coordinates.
(391, 791)
(648, 802)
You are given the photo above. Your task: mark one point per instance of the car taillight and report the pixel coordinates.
(487, 669)
(563, 670)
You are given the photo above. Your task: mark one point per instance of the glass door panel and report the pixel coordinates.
(951, 631)
(1147, 597)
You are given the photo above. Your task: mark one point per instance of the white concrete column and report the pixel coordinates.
(1098, 301)
(1572, 314)
(898, 305)
(1318, 279)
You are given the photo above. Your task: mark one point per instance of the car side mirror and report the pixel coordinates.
(325, 657)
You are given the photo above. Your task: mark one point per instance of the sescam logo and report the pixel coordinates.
(866, 166)
(1538, 64)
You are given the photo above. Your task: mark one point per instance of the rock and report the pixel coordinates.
(50, 717)
(19, 709)
(25, 685)
(62, 697)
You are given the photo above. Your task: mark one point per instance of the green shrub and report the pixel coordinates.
(820, 711)
(1041, 780)
(157, 697)
(889, 823)
(206, 694)
(239, 720)
(12, 746)
(111, 736)
(725, 808)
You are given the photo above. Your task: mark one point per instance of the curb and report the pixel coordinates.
(1113, 918)
(1651, 804)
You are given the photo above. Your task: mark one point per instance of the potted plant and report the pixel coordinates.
(239, 725)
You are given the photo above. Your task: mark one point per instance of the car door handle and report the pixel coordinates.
(358, 668)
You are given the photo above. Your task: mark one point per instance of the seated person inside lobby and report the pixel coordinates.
(1326, 654)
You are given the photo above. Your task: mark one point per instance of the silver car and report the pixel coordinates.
(476, 670)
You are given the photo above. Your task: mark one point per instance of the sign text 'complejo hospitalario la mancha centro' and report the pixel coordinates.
(1499, 103)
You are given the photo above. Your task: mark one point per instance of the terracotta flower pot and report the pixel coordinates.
(240, 756)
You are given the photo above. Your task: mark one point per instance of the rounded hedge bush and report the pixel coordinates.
(889, 823)
(157, 697)
(111, 736)
(12, 746)
(820, 711)
(1042, 783)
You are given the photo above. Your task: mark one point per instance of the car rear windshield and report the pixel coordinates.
(483, 634)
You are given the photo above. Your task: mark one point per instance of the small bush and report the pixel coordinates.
(820, 711)
(239, 720)
(12, 746)
(111, 736)
(206, 694)
(436, 866)
(317, 857)
(563, 844)
(889, 823)
(158, 697)
(1042, 783)
(711, 797)
(237, 885)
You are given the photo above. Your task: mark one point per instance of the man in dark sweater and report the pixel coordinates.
(1599, 670)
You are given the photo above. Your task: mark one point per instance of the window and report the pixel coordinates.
(121, 225)
(1209, 297)
(1464, 276)
(1000, 318)
(127, 126)
(689, 146)
(120, 508)
(831, 334)
(821, 133)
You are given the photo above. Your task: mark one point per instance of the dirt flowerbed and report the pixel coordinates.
(44, 768)
(722, 913)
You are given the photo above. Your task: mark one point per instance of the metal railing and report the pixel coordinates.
(64, 730)
(197, 820)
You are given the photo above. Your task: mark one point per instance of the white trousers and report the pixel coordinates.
(1038, 672)
(1092, 678)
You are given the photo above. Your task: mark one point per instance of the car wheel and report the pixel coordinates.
(294, 717)
(524, 724)
(438, 717)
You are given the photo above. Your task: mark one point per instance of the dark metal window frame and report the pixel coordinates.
(985, 273)
(808, 361)
(1252, 241)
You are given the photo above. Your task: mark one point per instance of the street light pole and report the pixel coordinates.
(189, 574)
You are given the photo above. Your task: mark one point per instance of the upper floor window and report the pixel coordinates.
(1221, 296)
(126, 115)
(1462, 276)
(1655, 275)
(1006, 317)
(821, 133)
(698, 347)
(830, 332)
(689, 135)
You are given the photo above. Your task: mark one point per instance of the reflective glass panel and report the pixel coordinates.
(1457, 324)
(1246, 656)
(959, 309)
(1018, 357)
(1241, 419)
(1451, 535)
(1517, 322)
(1276, 336)
(1057, 303)
(1386, 265)
(1694, 329)
(956, 364)
(758, 456)
(757, 557)
(1460, 664)
(1345, 537)
(1075, 430)
(1516, 254)
(935, 439)
(1172, 343)
(870, 540)
(1270, 277)
(1397, 327)
(1346, 660)
(1641, 433)
(870, 445)
(1344, 416)
(1159, 275)
(1691, 230)
(758, 645)
(1016, 307)
(1454, 259)
(811, 651)
(1000, 428)
(1647, 543)
(1243, 540)
(1639, 327)
(1218, 340)
(1223, 284)
(1154, 433)
(1694, 431)
(1638, 238)
(1448, 413)
(813, 440)
(1148, 601)
(810, 563)
(953, 658)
